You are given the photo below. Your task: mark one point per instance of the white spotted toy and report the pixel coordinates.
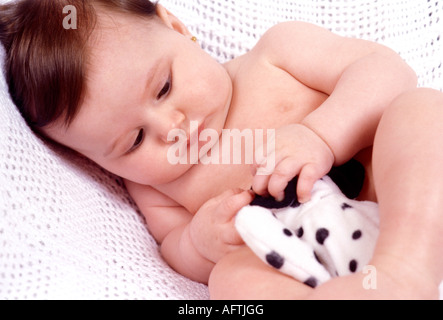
(331, 235)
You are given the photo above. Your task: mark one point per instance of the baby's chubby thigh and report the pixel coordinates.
(407, 168)
(242, 275)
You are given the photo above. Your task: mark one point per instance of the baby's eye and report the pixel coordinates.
(138, 141)
(166, 88)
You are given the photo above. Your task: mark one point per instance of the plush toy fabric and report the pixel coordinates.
(331, 235)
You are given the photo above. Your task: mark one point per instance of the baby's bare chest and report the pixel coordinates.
(265, 98)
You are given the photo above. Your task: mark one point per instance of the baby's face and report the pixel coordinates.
(144, 79)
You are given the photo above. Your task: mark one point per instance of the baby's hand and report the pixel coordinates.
(212, 229)
(298, 151)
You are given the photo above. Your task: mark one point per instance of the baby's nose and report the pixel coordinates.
(174, 120)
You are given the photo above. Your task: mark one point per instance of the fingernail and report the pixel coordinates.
(280, 197)
(303, 200)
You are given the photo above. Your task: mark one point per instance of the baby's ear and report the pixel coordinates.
(172, 21)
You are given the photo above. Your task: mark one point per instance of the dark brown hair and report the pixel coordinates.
(45, 62)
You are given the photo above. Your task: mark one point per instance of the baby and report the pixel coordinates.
(127, 82)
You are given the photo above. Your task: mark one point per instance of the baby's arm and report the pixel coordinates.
(361, 78)
(167, 221)
(190, 244)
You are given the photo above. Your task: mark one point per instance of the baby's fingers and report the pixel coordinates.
(260, 184)
(309, 174)
(283, 173)
(230, 205)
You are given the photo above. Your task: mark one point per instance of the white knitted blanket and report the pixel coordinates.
(68, 229)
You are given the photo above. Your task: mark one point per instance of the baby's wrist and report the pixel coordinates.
(328, 147)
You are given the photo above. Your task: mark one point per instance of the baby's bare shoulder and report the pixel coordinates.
(146, 196)
(292, 33)
(273, 39)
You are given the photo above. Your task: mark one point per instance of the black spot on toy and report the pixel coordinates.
(275, 260)
(312, 282)
(349, 177)
(321, 235)
(353, 265)
(300, 232)
(356, 235)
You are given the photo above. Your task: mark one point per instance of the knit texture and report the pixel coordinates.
(414, 29)
(69, 230)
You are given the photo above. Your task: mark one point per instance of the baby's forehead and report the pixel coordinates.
(113, 28)
(114, 20)
(118, 62)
